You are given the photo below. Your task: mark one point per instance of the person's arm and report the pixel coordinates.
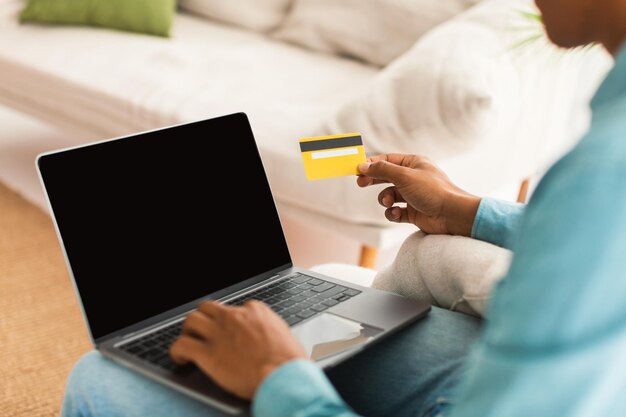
(421, 194)
(299, 388)
(498, 221)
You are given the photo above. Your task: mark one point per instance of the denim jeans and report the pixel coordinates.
(412, 373)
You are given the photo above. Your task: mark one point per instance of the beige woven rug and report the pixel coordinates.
(41, 329)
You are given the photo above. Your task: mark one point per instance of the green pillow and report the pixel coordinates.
(152, 17)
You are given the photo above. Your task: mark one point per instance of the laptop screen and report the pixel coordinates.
(150, 222)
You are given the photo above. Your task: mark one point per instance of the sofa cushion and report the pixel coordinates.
(258, 15)
(152, 17)
(375, 31)
(452, 88)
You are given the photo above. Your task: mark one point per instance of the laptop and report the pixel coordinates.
(154, 223)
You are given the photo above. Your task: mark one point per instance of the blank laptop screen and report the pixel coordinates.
(150, 222)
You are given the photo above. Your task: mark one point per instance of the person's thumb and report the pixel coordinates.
(382, 170)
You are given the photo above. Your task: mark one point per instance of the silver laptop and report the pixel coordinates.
(154, 223)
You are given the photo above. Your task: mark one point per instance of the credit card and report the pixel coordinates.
(332, 156)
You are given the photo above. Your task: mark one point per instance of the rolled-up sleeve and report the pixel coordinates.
(298, 388)
(497, 221)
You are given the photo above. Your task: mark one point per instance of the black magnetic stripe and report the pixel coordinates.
(319, 145)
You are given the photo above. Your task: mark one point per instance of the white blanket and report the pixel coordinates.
(453, 272)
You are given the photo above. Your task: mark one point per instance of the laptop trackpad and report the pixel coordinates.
(326, 335)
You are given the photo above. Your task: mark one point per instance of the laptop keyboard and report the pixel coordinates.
(298, 297)
(154, 347)
(294, 298)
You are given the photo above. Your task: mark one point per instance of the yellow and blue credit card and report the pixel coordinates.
(332, 156)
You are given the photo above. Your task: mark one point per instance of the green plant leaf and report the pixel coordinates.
(532, 16)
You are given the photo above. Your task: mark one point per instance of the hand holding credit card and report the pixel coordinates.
(332, 156)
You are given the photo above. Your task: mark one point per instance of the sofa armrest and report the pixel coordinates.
(452, 272)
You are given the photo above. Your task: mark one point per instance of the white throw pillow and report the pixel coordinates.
(478, 77)
(256, 15)
(375, 31)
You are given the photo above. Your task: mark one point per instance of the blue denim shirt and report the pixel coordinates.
(554, 343)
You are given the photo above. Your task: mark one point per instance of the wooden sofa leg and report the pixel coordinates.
(368, 257)
(523, 191)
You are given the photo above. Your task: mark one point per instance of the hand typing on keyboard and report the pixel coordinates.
(236, 346)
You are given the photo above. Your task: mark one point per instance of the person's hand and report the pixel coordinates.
(236, 346)
(433, 202)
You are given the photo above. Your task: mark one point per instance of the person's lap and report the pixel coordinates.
(401, 376)
(410, 371)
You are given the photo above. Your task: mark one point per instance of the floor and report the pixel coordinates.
(23, 137)
(42, 332)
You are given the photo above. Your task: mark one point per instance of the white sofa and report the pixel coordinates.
(491, 113)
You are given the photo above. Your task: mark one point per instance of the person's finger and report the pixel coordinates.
(199, 325)
(364, 181)
(390, 196)
(383, 170)
(187, 349)
(253, 310)
(397, 214)
(255, 305)
(213, 309)
(389, 157)
(401, 159)
(259, 309)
